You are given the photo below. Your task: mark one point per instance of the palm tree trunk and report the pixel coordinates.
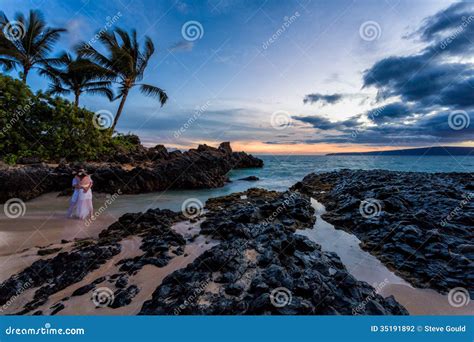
(119, 111)
(76, 99)
(25, 74)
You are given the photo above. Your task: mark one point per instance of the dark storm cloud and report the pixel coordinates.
(325, 99)
(390, 128)
(418, 79)
(427, 77)
(442, 125)
(451, 30)
(318, 122)
(325, 124)
(444, 20)
(390, 112)
(427, 130)
(392, 70)
(459, 94)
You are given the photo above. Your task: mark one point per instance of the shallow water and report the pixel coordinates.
(366, 267)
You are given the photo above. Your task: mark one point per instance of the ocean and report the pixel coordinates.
(281, 172)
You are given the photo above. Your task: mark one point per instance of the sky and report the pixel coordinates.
(288, 77)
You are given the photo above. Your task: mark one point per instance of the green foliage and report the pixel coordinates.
(50, 128)
(10, 159)
(125, 143)
(46, 127)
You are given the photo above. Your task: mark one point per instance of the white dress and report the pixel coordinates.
(84, 206)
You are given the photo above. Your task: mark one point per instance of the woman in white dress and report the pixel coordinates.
(84, 201)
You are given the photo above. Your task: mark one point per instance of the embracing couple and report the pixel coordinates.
(81, 200)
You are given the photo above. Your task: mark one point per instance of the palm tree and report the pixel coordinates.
(26, 42)
(79, 76)
(126, 61)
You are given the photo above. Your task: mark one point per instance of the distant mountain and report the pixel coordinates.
(424, 151)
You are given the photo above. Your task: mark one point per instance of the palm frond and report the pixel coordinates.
(8, 64)
(153, 91)
(34, 44)
(101, 91)
(94, 84)
(84, 50)
(56, 89)
(145, 57)
(48, 38)
(124, 36)
(51, 73)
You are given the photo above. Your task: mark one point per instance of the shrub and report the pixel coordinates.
(126, 143)
(38, 125)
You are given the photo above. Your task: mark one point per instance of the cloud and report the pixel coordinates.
(459, 94)
(417, 94)
(213, 122)
(427, 76)
(78, 30)
(321, 123)
(451, 30)
(423, 89)
(182, 46)
(415, 78)
(181, 6)
(390, 112)
(344, 127)
(336, 78)
(430, 129)
(328, 99)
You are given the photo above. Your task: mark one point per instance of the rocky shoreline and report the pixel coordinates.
(420, 225)
(148, 170)
(242, 254)
(257, 265)
(262, 267)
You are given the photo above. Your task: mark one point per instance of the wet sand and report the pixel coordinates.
(365, 267)
(45, 224)
(147, 279)
(45, 219)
